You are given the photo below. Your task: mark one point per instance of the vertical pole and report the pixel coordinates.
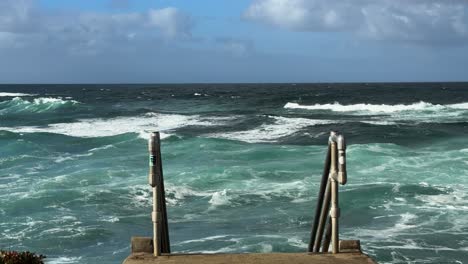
(325, 206)
(335, 210)
(153, 179)
(341, 144)
(323, 218)
(155, 216)
(318, 209)
(165, 244)
(326, 239)
(156, 180)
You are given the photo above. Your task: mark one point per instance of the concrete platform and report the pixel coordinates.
(261, 258)
(350, 253)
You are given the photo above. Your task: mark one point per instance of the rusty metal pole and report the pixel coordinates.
(153, 176)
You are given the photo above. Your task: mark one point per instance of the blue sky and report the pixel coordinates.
(150, 41)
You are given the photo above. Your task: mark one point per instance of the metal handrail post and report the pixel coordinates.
(328, 199)
(335, 210)
(318, 209)
(161, 242)
(325, 205)
(322, 219)
(342, 174)
(153, 178)
(337, 175)
(327, 237)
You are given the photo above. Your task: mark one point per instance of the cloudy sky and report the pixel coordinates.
(157, 41)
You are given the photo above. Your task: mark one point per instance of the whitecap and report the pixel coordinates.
(373, 108)
(281, 127)
(297, 242)
(220, 198)
(101, 148)
(454, 201)
(210, 238)
(404, 223)
(99, 127)
(4, 94)
(380, 123)
(37, 105)
(110, 219)
(459, 106)
(64, 260)
(420, 112)
(266, 248)
(68, 157)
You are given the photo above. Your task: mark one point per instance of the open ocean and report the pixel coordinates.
(242, 166)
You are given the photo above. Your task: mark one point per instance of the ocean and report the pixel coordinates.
(242, 166)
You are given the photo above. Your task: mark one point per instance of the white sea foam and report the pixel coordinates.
(110, 219)
(297, 242)
(210, 238)
(98, 127)
(419, 112)
(37, 105)
(177, 193)
(380, 123)
(459, 106)
(101, 148)
(373, 108)
(255, 187)
(266, 248)
(4, 94)
(406, 222)
(67, 157)
(453, 201)
(220, 198)
(281, 127)
(64, 260)
(379, 108)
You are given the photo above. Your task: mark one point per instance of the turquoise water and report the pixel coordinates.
(242, 165)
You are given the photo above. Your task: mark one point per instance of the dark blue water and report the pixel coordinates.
(242, 166)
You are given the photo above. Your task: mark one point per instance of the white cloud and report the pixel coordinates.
(303, 15)
(422, 21)
(23, 23)
(18, 16)
(172, 22)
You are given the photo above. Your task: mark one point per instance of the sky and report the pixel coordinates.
(203, 41)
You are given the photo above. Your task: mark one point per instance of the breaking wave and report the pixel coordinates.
(281, 127)
(3, 94)
(99, 127)
(37, 105)
(379, 108)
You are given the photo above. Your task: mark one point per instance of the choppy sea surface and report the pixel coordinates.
(242, 166)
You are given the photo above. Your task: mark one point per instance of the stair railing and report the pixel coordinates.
(327, 212)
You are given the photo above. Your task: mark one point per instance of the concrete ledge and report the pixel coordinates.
(145, 245)
(270, 258)
(142, 245)
(348, 246)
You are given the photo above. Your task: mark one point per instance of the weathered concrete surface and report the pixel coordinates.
(142, 244)
(270, 258)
